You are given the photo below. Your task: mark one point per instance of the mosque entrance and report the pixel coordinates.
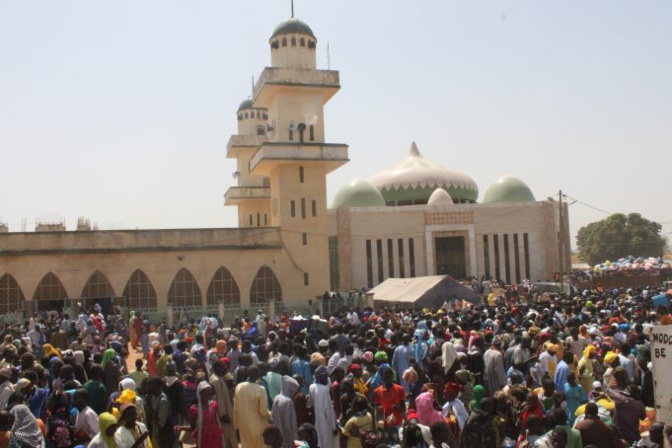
(450, 256)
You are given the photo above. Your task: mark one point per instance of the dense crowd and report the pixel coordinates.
(509, 372)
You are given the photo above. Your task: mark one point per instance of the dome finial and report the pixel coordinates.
(414, 152)
(292, 9)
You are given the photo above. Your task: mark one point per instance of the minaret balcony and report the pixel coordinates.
(239, 143)
(279, 79)
(236, 195)
(272, 154)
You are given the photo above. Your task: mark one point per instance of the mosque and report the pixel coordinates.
(414, 219)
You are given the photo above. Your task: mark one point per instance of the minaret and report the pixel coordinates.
(295, 157)
(252, 193)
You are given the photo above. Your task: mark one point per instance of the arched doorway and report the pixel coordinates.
(50, 294)
(265, 287)
(184, 291)
(223, 288)
(98, 290)
(139, 292)
(11, 295)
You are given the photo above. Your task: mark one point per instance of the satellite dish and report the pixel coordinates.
(293, 125)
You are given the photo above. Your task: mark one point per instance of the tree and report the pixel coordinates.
(620, 236)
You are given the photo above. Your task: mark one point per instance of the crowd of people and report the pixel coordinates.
(508, 372)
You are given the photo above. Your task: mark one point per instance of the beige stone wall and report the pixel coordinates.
(75, 256)
(473, 221)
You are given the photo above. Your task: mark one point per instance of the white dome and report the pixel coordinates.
(440, 197)
(416, 178)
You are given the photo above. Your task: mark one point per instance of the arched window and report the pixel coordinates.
(50, 288)
(139, 292)
(223, 288)
(265, 287)
(311, 44)
(284, 41)
(184, 291)
(302, 42)
(11, 295)
(293, 41)
(97, 286)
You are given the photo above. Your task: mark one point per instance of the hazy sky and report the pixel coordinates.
(119, 111)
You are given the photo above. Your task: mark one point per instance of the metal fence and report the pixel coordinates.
(227, 312)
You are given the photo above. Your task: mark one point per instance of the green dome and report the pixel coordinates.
(508, 189)
(358, 193)
(292, 25)
(247, 104)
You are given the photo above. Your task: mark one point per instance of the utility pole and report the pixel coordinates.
(561, 243)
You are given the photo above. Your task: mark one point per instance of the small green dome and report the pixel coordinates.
(358, 193)
(247, 104)
(292, 25)
(508, 189)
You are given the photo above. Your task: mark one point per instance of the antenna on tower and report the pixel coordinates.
(328, 58)
(292, 8)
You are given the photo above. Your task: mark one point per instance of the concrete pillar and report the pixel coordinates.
(271, 310)
(169, 316)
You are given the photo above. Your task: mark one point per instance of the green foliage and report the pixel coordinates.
(620, 236)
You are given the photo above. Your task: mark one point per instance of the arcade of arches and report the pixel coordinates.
(139, 292)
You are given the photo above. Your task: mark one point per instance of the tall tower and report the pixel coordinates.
(252, 193)
(293, 156)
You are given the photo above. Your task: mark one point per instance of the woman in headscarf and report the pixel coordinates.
(50, 351)
(466, 379)
(130, 433)
(479, 394)
(360, 422)
(204, 419)
(105, 438)
(283, 412)
(325, 417)
(25, 430)
(586, 372)
(111, 372)
(58, 423)
(128, 394)
(80, 372)
(425, 408)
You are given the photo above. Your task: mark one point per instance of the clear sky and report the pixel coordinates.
(119, 111)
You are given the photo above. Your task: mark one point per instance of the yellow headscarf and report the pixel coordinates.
(589, 350)
(106, 420)
(49, 351)
(609, 358)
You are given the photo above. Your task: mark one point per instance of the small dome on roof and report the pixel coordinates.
(247, 104)
(508, 189)
(292, 25)
(440, 197)
(415, 179)
(358, 193)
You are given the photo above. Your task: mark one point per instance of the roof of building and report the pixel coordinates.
(416, 178)
(247, 104)
(292, 25)
(508, 189)
(440, 197)
(358, 193)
